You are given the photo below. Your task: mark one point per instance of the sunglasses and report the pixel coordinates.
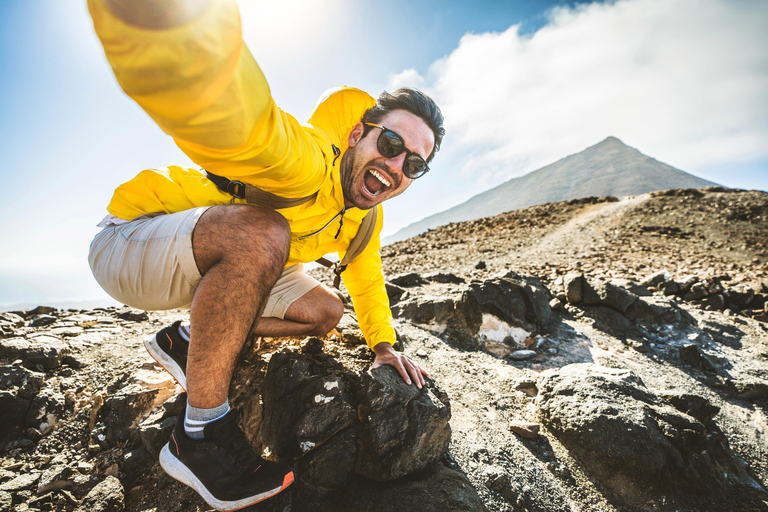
(391, 144)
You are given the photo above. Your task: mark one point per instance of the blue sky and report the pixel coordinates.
(522, 84)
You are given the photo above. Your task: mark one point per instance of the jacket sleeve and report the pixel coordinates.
(365, 282)
(202, 86)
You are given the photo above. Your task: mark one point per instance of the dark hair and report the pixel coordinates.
(415, 102)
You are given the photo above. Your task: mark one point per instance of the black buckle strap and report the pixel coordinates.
(232, 187)
(236, 188)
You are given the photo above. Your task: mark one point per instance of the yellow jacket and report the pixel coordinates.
(201, 85)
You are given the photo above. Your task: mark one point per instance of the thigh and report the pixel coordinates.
(148, 263)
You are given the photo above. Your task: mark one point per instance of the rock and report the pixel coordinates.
(459, 313)
(495, 478)
(26, 382)
(311, 345)
(698, 291)
(658, 309)
(522, 355)
(402, 429)
(127, 407)
(716, 302)
(108, 496)
(686, 283)
(516, 300)
(669, 287)
(656, 278)
(408, 280)
(692, 355)
(603, 414)
(425, 310)
(394, 292)
(133, 315)
(526, 385)
(438, 489)
(607, 293)
(45, 410)
(46, 351)
(739, 297)
(609, 320)
(750, 388)
(11, 319)
(309, 417)
(14, 409)
(6, 501)
(556, 305)
(55, 478)
(12, 348)
(572, 284)
(41, 310)
(155, 433)
(21, 482)
(41, 320)
(444, 277)
(525, 428)
(136, 462)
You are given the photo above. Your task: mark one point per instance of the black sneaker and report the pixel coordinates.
(169, 349)
(223, 467)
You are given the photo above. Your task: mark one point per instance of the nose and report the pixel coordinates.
(396, 163)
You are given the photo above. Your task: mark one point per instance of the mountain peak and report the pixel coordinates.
(609, 168)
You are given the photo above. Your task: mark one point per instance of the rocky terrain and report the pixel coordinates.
(599, 354)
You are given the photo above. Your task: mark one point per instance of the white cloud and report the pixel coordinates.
(408, 78)
(685, 81)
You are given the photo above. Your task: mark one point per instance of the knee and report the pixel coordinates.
(264, 229)
(243, 234)
(328, 316)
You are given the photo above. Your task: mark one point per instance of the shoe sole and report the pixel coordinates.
(166, 361)
(177, 470)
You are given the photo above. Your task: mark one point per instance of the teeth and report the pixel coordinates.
(383, 179)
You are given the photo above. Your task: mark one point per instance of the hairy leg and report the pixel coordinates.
(240, 251)
(314, 314)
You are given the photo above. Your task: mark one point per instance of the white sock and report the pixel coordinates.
(184, 332)
(196, 418)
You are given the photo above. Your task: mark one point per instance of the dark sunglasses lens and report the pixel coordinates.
(390, 144)
(414, 167)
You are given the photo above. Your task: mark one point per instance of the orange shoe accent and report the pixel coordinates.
(288, 480)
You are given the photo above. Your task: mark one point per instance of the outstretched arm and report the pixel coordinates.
(154, 15)
(185, 63)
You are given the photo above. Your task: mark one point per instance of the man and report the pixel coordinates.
(178, 237)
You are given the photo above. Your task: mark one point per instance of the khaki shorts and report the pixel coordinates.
(148, 264)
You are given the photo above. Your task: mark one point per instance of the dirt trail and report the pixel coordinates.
(585, 229)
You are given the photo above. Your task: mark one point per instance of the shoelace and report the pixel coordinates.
(236, 444)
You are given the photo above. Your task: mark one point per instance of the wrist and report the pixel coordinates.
(383, 347)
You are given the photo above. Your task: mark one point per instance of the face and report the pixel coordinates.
(367, 177)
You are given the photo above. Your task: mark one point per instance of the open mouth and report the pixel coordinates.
(375, 182)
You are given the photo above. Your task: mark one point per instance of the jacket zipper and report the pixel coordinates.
(341, 223)
(337, 153)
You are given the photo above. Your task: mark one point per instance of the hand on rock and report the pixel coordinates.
(408, 369)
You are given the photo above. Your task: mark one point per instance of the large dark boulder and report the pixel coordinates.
(332, 423)
(641, 446)
(402, 429)
(309, 417)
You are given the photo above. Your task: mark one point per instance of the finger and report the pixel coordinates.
(413, 369)
(403, 373)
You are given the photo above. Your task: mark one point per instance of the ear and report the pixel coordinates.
(356, 134)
